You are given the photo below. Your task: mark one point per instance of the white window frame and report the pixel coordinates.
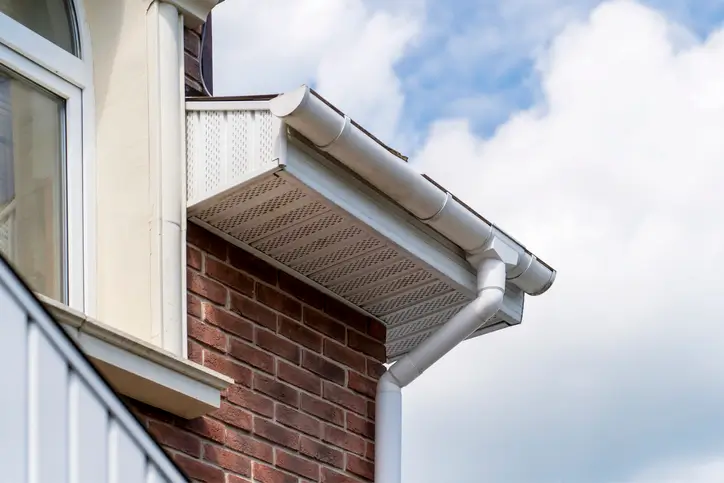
(70, 77)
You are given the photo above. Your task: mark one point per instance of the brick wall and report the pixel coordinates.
(194, 51)
(305, 367)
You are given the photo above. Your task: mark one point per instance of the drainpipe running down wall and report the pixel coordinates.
(388, 420)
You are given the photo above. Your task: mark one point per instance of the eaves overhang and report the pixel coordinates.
(260, 183)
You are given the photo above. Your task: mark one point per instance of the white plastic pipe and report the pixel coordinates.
(388, 419)
(334, 133)
(166, 100)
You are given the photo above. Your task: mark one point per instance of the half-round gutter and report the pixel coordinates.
(333, 132)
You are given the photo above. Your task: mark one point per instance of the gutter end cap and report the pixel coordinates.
(285, 104)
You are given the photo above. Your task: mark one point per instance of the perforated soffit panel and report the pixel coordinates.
(238, 187)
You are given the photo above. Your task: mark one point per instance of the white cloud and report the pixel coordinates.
(345, 48)
(710, 470)
(615, 180)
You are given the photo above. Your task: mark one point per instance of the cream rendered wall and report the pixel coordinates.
(123, 164)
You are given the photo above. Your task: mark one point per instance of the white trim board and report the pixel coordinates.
(141, 370)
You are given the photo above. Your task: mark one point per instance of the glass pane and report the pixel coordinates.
(53, 19)
(31, 184)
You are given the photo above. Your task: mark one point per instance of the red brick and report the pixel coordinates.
(234, 416)
(192, 42)
(267, 474)
(376, 330)
(345, 398)
(194, 351)
(330, 476)
(193, 306)
(152, 412)
(276, 433)
(321, 366)
(192, 66)
(361, 384)
(175, 438)
(367, 345)
(375, 369)
(301, 290)
(346, 314)
(193, 258)
(322, 409)
(207, 334)
(360, 426)
(277, 390)
(324, 324)
(277, 300)
(298, 420)
(229, 322)
(277, 345)
(344, 440)
(229, 276)
(250, 400)
(321, 452)
(345, 355)
(228, 459)
(252, 265)
(300, 334)
(206, 241)
(370, 451)
(251, 355)
(299, 377)
(248, 445)
(358, 466)
(205, 287)
(231, 478)
(295, 464)
(208, 428)
(371, 408)
(253, 311)
(240, 374)
(198, 470)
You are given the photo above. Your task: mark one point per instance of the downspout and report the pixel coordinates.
(491, 269)
(168, 224)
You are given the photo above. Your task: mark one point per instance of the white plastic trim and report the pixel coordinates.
(194, 12)
(166, 87)
(196, 389)
(208, 105)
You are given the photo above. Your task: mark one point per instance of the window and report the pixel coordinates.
(52, 19)
(43, 89)
(31, 187)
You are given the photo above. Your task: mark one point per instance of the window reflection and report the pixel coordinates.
(31, 184)
(50, 18)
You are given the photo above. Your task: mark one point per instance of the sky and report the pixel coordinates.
(592, 132)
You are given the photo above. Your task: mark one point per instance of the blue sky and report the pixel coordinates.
(592, 132)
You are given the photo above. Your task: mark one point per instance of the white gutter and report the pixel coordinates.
(333, 132)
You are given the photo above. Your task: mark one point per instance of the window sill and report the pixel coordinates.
(140, 370)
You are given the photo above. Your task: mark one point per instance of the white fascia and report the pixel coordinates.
(195, 12)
